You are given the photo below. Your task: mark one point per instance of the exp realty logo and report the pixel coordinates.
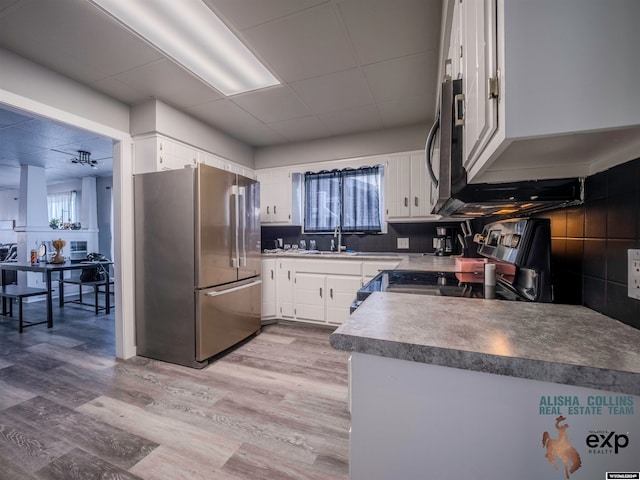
(604, 442)
(599, 442)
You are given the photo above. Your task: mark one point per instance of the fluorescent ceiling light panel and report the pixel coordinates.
(193, 36)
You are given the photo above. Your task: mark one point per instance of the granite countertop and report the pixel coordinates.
(564, 344)
(408, 261)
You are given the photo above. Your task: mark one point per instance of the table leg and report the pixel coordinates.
(107, 300)
(49, 301)
(61, 289)
(4, 300)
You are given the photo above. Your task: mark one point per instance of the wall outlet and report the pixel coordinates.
(403, 243)
(634, 273)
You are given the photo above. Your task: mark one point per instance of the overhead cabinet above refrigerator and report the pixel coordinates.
(197, 240)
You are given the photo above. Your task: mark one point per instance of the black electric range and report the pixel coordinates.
(521, 250)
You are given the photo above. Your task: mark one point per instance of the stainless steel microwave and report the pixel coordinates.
(453, 196)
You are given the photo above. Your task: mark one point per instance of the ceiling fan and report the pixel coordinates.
(82, 158)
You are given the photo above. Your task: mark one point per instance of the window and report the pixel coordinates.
(62, 207)
(349, 199)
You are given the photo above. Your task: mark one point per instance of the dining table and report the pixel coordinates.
(48, 269)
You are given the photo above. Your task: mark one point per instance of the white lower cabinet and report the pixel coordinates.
(310, 294)
(284, 288)
(341, 291)
(269, 291)
(325, 298)
(315, 290)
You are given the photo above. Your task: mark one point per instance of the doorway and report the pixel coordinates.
(120, 242)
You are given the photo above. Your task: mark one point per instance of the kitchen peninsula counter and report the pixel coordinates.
(447, 387)
(565, 344)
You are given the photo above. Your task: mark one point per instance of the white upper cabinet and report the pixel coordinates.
(478, 65)
(408, 188)
(455, 54)
(280, 196)
(550, 86)
(154, 153)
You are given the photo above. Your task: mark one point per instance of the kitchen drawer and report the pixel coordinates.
(335, 267)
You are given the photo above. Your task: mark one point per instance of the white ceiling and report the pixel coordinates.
(346, 66)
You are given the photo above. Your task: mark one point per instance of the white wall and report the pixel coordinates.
(36, 83)
(104, 187)
(380, 142)
(8, 211)
(8, 204)
(155, 116)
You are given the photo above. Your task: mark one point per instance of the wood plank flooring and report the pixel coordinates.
(275, 408)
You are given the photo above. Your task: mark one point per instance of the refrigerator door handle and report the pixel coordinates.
(242, 220)
(234, 289)
(235, 261)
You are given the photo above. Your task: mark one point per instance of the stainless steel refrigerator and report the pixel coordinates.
(197, 240)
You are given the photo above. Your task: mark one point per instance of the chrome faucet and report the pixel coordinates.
(337, 232)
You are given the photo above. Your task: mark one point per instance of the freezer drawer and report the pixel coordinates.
(226, 315)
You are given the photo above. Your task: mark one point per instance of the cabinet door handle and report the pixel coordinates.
(320, 292)
(274, 210)
(267, 209)
(289, 274)
(458, 110)
(271, 274)
(416, 201)
(406, 201)
(331, 292)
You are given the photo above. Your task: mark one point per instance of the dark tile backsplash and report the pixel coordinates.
(420, 237)
(590, 243)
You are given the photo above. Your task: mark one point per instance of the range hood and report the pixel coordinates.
(452, 196)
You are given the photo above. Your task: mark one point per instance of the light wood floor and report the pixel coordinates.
(274, 408)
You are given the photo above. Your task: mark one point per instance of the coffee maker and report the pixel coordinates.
(443, 241)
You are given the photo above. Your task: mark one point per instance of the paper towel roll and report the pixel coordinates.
(490, 281)
(490, 274)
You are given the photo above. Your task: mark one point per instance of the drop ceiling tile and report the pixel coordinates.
(383, 29)
(233, 120)
(55, 133)
(407, 112)
(262, 136)
(337, 91)
(16, 141)
(9, 118)
(4, 4)
(303, 45)
(249, 13)
(73, 37)
(167, 81)
(301, 129)
(353, 120)
(404, 77)
(125, 93)
(272, 104)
